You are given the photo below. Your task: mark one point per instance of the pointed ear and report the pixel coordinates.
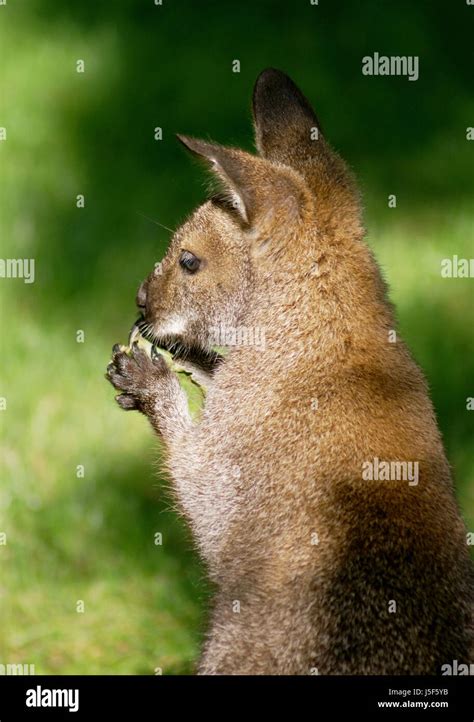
(288, 132)
(284, 119)
(258, 189)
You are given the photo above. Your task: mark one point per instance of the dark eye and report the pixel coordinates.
(189, 262)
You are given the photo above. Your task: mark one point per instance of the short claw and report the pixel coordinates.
(140, 356)
(126, 402)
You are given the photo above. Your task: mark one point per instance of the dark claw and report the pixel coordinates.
(121, 361)
(137, 352)
(141, 358)
(128, 403)
(116, 380)
(115, 348)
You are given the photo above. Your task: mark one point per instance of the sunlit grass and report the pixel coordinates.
(435, 315)
(89, 537)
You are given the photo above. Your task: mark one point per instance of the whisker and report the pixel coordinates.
(152, 220)
(196, 354)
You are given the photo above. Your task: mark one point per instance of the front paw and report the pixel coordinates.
(138, 378)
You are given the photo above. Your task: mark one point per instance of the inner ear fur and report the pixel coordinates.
(263, 193)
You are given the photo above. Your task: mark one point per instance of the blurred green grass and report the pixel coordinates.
(92, 538)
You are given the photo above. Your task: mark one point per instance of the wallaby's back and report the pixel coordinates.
(332, 571)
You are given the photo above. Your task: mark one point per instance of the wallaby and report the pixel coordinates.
(318, 567)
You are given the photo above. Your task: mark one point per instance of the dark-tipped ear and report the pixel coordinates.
(288, 132)
(257, 189)
(284, 119)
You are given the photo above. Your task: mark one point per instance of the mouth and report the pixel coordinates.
(205, 358)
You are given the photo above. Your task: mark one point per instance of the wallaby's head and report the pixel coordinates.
(266, 206)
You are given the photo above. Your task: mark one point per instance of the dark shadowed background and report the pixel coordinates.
(80, 498)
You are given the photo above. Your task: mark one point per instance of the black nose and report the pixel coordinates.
(141, 297)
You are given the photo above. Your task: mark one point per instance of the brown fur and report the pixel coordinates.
(277, 454)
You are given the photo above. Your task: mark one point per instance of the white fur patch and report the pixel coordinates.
(173, 327)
